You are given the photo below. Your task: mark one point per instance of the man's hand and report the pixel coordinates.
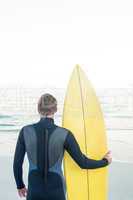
(22, 192)
(108, 156)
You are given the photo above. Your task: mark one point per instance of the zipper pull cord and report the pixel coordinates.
(46, 155)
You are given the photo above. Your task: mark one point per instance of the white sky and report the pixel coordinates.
(41, 41)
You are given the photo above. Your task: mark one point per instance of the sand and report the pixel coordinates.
(120, 180)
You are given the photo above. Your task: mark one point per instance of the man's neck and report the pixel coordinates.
(48, 116)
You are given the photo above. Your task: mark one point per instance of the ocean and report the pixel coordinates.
(19, 107)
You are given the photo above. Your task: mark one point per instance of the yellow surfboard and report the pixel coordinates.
(83, 116)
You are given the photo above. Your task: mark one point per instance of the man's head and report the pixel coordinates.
(47, 105)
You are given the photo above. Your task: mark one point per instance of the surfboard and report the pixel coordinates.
(82, 114)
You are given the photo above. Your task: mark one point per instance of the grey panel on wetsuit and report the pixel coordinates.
(55, 148)
(56, 145)
(57, 168)
(31, 143)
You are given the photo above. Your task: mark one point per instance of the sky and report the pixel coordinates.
(41, 41)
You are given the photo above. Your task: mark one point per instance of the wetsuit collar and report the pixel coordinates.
(47, 121)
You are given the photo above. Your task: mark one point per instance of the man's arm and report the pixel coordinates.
(82, 160)
(18, 160)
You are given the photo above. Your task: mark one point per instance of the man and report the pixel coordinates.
(45, 143)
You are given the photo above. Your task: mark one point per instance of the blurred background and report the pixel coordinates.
(19, 107)
(40, 42)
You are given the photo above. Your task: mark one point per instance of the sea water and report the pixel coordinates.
(19, 107)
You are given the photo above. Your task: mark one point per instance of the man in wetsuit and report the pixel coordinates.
(45, 143)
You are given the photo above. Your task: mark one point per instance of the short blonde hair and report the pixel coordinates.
(47, 104)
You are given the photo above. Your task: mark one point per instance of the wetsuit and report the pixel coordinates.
(45, 143)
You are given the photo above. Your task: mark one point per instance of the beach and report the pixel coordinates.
(120, 180)
(120, 171)
(53, 47)
(119, 129)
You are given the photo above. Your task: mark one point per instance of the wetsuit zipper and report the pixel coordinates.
(46, 156)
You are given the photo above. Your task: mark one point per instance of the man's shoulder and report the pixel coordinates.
(31, 125)
(66, 130)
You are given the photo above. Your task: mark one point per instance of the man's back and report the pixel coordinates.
(45, 143)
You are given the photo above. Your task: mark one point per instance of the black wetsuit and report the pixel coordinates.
(45, 143)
